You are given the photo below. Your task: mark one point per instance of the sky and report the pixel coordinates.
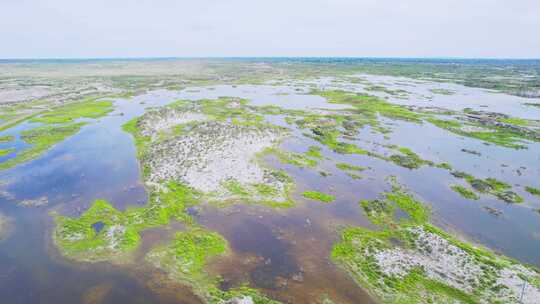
(254, 28)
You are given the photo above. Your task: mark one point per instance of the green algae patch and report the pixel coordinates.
(7, 138)
(89, 108)
(80, 240)
(370, 106)
(509, 133)
(464, 192)
(408, 159)
(315, 152)
(408, 260)
(530, 104)
(349, 167)
(533, 191)
(4, 152)
(274, 196)
(318, 196)
(295, 159)
(491, 186)
(42, 139)
(445, 166)
(440, 91)
(59, 125)
(141, 141)
(185, 259)
(516, 121)
(103, 233)
(187, 255)
(330, 138)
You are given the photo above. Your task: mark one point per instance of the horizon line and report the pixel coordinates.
(262, 57)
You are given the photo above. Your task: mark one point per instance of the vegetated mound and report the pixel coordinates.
(215, 157)
(411, 261)
(163, 119)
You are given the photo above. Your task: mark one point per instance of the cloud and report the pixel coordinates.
(413, 28)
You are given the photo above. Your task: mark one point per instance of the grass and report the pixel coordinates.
(329, 138)
(315, 152)
(501, 136)
(290, 158)
(7, 138)
(370, 106)
(319, 196)
(88, 108)
(189, 252)
(442, 91)
(358, 246)
(42, 139)
(349, 167)
(464, 192)
(516, 121)
(408, 159)
(78, 240)
(59, 125)
(4, 152)
(186, 259)
(491, 186)
(532, 190)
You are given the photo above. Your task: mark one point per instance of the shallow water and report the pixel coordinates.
(283, 252)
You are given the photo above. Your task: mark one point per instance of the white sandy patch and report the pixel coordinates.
(114, 235)
(446, 263)
(211, 154)
(440, 260)
(164, 119)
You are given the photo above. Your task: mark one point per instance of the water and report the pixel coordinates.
(285, 253)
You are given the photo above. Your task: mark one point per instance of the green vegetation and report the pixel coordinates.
(4, 152)
(290, 158)
(516, 121)
(319, 196)
(370, 106)
(187, 255)
(329, 129)
(62, 126)
(383, 211)
(408, 159)
(466, 193)
(118, 237)
(410, 237)
(42, 139)
(261, 194)
(533, 191)
(446, 166)
(222, 109)
(530, 104)
(315, 152)
(7, 138)
(491, 186)
(349, 167)
(88, 108)
(509, 137)
(442, 91)
(185, 259)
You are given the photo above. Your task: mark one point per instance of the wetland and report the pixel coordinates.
(290, 180)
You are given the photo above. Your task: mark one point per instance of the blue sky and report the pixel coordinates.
(377, 28)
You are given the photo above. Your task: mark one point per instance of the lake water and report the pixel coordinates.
(285, 253)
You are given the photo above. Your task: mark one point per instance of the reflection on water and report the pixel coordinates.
(285, 253)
